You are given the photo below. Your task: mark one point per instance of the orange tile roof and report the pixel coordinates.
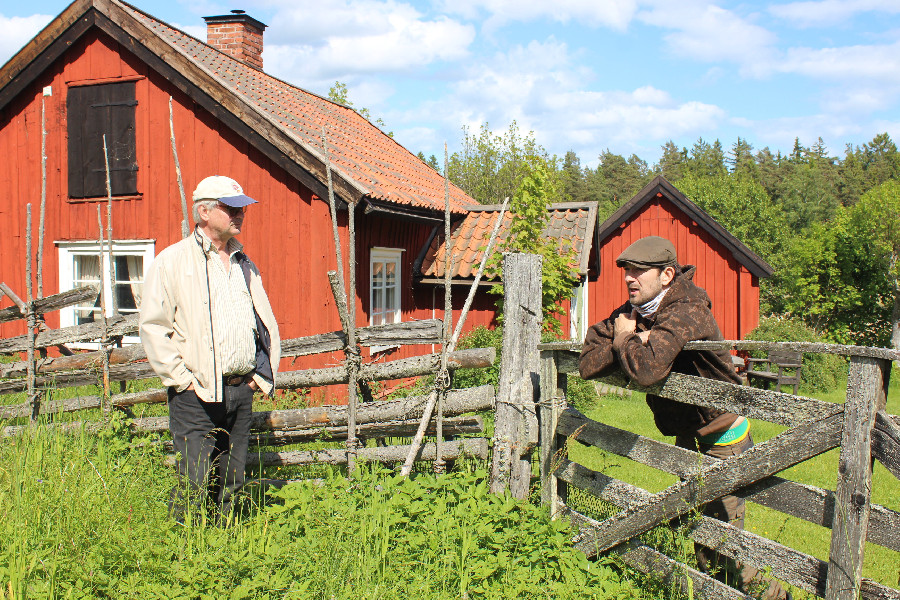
(571, 225)
(358, 150)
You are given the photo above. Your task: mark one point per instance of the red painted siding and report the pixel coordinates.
(734, 291)
(288, 234)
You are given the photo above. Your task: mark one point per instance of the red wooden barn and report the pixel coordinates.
(726, 268)
(105, 68)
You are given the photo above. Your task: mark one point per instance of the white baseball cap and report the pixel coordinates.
(224, 189)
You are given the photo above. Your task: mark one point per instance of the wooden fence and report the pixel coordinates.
(277, 427)
(860, 427)
(515, 418)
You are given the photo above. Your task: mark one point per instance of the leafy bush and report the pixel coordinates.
(821, 372)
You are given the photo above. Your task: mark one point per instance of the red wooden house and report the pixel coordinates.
(104, 68)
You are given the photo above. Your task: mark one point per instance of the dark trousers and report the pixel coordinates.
(210, 440)
(730, 509)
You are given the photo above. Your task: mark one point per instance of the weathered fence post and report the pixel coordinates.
(553, 399)
(866, 395)
(515, 429)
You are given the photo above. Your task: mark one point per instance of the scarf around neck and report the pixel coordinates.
(647, 309)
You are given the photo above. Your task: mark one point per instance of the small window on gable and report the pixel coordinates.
(93, 111)
(82, 263)
(384, 289)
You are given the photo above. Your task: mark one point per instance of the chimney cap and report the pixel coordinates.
(237, 16)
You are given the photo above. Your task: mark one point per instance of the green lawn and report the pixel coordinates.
(881, 564)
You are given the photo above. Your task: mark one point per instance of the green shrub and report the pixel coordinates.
(480, 337)
(821, 372)
(581, 394)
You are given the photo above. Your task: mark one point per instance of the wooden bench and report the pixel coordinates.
(783, 368)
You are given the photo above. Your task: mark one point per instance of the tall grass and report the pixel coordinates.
(84, 516)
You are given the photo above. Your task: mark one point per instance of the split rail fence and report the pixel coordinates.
(860, 427)
(385, 419)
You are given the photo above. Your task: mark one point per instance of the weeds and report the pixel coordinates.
(84, 516)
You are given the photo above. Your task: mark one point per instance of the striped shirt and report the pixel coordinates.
(234, 326)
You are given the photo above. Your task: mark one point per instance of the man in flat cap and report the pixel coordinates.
(645, 338)
(210, 335)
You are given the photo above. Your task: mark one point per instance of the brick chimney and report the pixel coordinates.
(237, 34)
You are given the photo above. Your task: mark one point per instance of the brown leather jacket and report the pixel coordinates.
(684, 315)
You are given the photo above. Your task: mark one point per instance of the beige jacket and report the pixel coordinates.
(176, 324)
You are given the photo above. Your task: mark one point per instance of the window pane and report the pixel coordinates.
(377, 274)
(129, 280)
(391, 277)
(377, 301)
(390, 300)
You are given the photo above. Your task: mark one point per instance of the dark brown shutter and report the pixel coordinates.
(93, 111)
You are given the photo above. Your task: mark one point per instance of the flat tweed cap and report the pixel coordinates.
(649, 252)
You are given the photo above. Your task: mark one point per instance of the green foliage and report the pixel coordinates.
(480, 337)
(741, 206)
(581, 394)
(529, 209)
(821, 372)
(841, 277)
(491, 167)
(84, 516)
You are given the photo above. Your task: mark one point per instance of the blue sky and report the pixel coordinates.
(585, 75)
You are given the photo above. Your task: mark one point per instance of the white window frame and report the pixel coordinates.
(385, 255)
(578, 311)
(68, 250)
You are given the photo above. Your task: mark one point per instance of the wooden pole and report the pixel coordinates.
(30, 319)
(866, 394)
(104, 339)
(351, 351)
(109, 231)
(553, 399)
(442, 381)
(185, 229)
(515, 427)
(40, 247)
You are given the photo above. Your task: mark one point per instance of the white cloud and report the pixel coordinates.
(820, 13)
(15, 32)
(616, 14)
(543, 89)
(706, 32)
(881, 62)
(337, 38)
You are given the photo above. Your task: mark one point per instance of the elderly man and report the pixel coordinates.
(645, 338)
(210, 335)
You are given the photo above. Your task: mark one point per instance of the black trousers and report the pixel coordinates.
(210, 440)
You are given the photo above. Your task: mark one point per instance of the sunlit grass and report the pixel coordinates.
(633, 414)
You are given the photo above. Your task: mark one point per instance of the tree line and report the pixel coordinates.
(829, 225)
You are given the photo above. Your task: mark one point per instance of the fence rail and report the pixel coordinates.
(860, 427)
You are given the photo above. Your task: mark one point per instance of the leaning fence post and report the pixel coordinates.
(866, 395)
(515, 429)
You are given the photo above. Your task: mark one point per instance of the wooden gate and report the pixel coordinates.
(860, 427)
